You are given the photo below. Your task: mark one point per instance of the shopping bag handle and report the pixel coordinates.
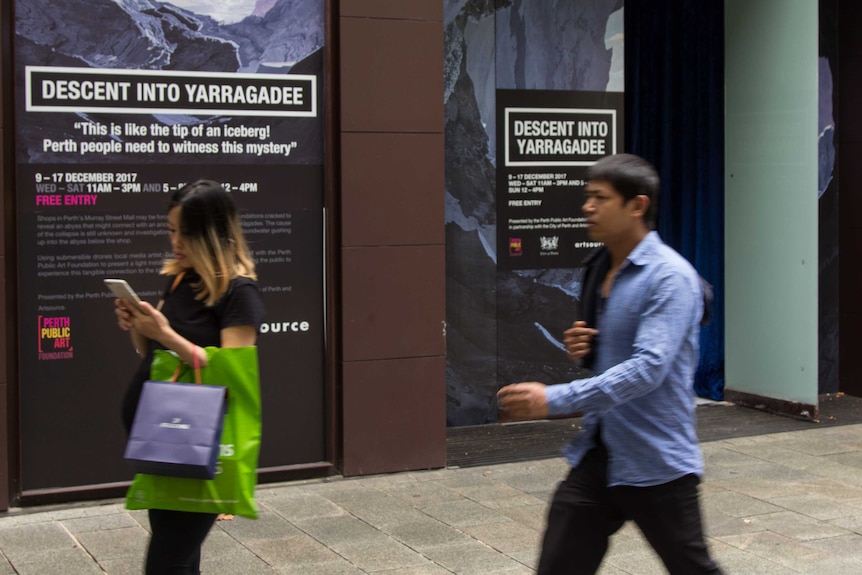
(197, 365)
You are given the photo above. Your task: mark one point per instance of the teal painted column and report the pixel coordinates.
(771, 243)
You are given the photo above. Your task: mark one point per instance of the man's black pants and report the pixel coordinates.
(585, 512)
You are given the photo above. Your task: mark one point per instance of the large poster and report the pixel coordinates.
(119, 103)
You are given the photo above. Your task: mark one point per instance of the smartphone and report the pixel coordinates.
(122, 290)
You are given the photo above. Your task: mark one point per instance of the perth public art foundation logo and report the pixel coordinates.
(516, 246)
(55, 337)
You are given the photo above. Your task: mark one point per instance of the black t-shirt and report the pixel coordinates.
(242, 305)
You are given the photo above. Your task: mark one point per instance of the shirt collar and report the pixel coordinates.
(644, 252)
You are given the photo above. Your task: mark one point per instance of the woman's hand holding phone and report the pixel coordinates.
(127, 301)
(135, 314)
(145, 320)
(124, 316)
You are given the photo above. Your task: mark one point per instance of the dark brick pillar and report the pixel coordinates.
(849, 122)
(6, 247)
(391, 175)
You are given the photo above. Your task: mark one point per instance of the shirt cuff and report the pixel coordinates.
(560, 399)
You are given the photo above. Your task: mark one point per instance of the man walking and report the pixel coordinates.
(638, 456)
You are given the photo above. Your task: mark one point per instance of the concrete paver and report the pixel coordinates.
(779, 504)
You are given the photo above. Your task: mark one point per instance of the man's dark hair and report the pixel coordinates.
(631, 176)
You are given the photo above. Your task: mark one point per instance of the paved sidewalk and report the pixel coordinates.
(783, 503)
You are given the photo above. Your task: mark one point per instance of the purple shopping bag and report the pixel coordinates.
(177, 429)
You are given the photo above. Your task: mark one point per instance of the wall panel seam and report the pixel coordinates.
(389, 19)
(394, 358)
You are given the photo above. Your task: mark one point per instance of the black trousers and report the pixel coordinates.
(585, 512)
(175, 545)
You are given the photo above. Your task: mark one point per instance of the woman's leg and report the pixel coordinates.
(175, 545)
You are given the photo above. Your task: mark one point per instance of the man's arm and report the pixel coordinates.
(673, 306)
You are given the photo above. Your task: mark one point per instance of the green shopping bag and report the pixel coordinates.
(232, 490)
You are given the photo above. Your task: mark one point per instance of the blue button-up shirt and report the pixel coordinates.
(646, 353)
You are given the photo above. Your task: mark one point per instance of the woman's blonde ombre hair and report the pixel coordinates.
(211, 234)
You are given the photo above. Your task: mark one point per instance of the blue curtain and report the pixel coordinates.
(674, 52)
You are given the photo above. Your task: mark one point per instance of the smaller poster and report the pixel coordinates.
(546, 141)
